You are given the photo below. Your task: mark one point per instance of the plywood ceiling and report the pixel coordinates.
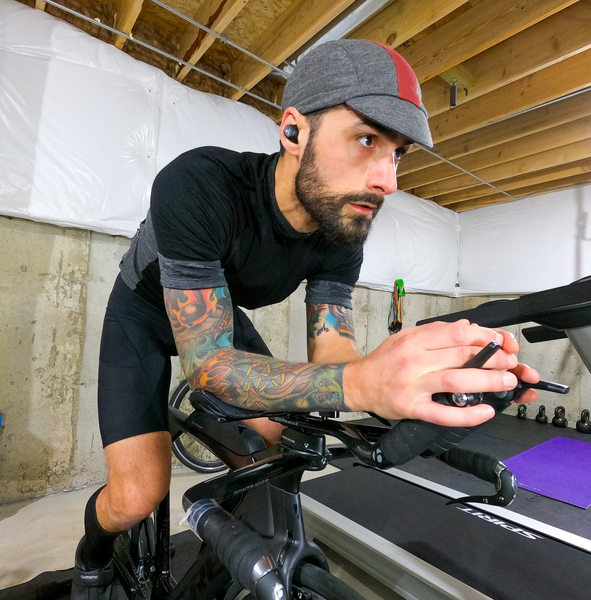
(522, 69)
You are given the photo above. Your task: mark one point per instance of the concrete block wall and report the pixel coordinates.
(54, 286)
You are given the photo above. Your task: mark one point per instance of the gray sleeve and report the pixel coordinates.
(190, 275)
(329, 292)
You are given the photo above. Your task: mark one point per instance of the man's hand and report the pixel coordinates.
(397, 379)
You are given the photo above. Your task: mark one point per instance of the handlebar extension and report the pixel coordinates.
(412, 438)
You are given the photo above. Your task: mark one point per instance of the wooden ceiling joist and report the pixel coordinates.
(539, 119)
(294, 27)
(558, 37)
(537, 177)
(534, 190)
(542, 160)
(401, 20)
(474, 31)
(216, 15)
(548, 84)
(522, 121)
(525, 146)
(127, 14)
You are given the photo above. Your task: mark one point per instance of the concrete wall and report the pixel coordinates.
(54, 286)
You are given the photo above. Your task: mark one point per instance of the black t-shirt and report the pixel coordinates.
(214, 221)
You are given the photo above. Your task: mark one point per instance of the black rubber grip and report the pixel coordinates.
(238, 547)
(475, 463)
(411, 438)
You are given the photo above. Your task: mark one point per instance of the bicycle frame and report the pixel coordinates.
(262, 485)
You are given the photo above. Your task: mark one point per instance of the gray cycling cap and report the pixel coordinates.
(368, 77)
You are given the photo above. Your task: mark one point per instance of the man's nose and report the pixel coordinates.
(382, 180)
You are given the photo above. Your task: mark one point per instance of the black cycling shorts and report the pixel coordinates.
(134, 364)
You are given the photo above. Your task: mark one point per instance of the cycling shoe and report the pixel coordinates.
(92, 585)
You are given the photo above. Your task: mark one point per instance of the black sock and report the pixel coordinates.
(98, 545)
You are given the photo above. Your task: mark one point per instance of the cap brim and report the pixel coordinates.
(395, 114)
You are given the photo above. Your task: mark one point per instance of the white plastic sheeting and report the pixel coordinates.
(414, 240)
(84, 128)
(526, 246)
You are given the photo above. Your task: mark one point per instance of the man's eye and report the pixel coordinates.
(398, 154)
(366, 140)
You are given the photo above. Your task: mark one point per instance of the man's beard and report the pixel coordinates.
(327, 209)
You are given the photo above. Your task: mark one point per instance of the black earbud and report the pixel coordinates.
(291, 133)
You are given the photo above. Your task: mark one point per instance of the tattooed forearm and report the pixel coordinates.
(261, 382)
(325, 317)
(202, 325)
(201, 320)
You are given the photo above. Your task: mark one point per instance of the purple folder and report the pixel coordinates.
(559, 468)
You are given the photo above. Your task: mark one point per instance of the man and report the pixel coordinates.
(227, 230)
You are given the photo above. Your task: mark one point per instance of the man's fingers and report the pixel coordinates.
(527, 397)
(436, 336)
(450, 416)
(469, 380)
(455, 358)
(526, 373)
(510, 344)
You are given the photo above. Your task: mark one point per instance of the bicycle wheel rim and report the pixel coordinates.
(185, 446)
(322, 584)
(316, 583)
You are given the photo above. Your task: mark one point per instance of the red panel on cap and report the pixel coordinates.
(407, 80)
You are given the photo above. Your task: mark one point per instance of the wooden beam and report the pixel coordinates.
(40, 5)
(558, 37)
(539, 119)
(536, 162)
(205, 14)
(465, 80)
(290, 31)
(531, 144)
(127, 14)
(548, 84)
(195, 42)
(538, 177)
(487, 23)
(402, 20)
(534, 190)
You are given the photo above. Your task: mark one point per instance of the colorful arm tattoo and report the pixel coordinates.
(202, 325)
(326, 317)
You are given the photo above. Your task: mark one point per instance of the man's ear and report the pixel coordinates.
(293, 132)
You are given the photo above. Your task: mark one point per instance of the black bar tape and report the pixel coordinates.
(449, 437)
(238, 547)
(409, 438)
(475, 463)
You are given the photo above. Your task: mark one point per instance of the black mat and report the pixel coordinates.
(501, 560)
(56, 585)
(504, 437)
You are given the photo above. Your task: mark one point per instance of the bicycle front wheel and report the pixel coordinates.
(186, 448)
(321, 585)
(310, 583)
